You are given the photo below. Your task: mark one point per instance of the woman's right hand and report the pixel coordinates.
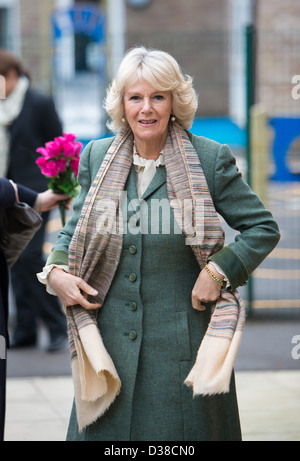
(72, 290)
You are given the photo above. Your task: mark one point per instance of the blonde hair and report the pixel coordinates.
(161, 71)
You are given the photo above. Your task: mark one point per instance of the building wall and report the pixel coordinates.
(197, 36)
(278, 56)
(36, 48)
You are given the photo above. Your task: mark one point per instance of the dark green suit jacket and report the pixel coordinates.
(232, 197)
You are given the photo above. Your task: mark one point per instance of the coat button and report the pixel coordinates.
(133, 306)
(132, 277)
(132, 249)
(132, 335)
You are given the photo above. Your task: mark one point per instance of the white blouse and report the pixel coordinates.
(145, 171)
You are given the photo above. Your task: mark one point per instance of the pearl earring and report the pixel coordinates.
(173, 118)
(123, 120)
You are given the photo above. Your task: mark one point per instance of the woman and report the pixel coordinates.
(9, 193)
(28, 119)
(129, 263)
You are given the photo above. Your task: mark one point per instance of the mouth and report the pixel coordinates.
(147, 122)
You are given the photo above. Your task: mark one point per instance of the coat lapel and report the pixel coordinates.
(158, 180)
(131, 185)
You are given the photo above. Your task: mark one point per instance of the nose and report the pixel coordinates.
(146, 105)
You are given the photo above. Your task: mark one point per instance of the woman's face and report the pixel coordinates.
(11, 81)
(148, 112)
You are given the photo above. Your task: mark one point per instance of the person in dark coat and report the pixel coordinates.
(42, 202)
(28, 120)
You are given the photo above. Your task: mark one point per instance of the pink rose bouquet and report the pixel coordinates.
(59, 161)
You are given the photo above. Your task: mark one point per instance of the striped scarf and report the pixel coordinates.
(94, 254)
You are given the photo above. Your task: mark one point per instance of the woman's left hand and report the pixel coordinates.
(48, 200)
(206, 289)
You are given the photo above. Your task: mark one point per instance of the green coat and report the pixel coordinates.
(147, 321)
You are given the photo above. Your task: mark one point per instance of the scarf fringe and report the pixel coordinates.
(88, 411)
(214, 364)
(213, 367)
(97, 380)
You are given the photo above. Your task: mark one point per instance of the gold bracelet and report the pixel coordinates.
(219, 281)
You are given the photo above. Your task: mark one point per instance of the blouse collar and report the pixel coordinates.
(140, 162)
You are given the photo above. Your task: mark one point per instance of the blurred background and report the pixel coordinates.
(245, 60)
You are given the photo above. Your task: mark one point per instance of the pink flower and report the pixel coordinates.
(60, 156)
(69, 150)
(60, 161)
(61, 165)
(69, 137)
(65, 146)
(44, 152)
(78, 147)
(48, 167)
(41, 161)
(60, 141)
(74, 164)
(54, 148)
(66, 138)
(52, 169)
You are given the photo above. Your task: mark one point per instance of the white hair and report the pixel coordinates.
(161, 71)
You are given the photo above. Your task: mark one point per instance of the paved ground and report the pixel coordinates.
(267, 344)
(38, 408)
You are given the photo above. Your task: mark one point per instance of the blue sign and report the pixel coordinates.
(81, 19)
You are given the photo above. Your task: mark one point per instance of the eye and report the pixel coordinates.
(158, 97)
(134, 98)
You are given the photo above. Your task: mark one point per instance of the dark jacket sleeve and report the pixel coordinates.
(8, 197)
(27, 195)
(7, 194)
(243, 211)
(239, 206)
